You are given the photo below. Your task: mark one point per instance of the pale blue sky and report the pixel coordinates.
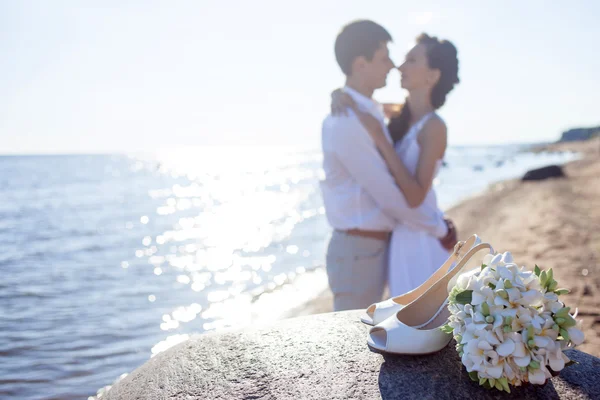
(101, 76)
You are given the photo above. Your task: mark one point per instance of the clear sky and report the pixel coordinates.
(101, 76)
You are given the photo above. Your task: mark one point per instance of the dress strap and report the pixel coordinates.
(414, 130)
(420, 123)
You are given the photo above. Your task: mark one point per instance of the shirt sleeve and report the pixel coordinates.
(355, 149)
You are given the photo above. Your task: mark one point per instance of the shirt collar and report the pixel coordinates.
(365, 103)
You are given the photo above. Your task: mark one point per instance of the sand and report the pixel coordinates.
(554, 223)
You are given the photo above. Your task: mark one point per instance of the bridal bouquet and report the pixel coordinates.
(509, 324)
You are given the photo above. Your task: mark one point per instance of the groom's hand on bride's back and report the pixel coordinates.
(451, 238)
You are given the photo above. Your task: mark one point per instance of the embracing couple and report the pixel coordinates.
(380, 162)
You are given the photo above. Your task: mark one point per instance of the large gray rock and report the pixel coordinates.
(324, 357)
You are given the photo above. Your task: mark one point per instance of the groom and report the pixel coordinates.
(362, 202)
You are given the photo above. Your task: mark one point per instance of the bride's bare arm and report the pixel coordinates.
(432, 142)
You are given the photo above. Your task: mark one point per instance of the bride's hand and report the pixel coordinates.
(341, 102)
(451, 238)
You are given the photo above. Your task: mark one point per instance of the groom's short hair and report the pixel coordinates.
(359, 38)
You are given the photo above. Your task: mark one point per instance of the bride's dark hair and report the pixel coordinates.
(441, 55)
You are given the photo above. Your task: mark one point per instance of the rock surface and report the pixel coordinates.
(324, 357)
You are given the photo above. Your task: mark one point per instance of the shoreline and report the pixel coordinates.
(551, 223)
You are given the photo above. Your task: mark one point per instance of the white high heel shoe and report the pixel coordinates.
(415, 329)
(378, 312)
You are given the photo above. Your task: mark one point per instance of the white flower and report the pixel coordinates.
(531, 298)
(462, 281)
(478, 317)
(507, 258)
(478, 298)
(557, 359)
(505, 273)
(492, 339)
(499, 301)
(506, 348)
(537, 376)
(493, 370)
(522, 361)
(498, 319)
(576, 335)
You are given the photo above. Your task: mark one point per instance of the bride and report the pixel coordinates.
(419, 136)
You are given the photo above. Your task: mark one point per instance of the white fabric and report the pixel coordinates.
(381, 311)
(414, 253)
(393, 336)
(358, 190)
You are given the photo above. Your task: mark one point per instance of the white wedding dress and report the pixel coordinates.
(414, 254)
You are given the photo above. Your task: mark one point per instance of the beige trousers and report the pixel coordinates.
(356, 269)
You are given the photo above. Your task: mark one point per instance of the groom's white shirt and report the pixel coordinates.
(358, 190)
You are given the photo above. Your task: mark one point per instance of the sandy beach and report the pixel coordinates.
(553, 223)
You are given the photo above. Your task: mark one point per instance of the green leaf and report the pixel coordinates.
(537, 270)
(483, 266)
(473, 376)
(562, 291)
(464, 297)
(552, 286)
(543, 278)
(569, 322)
(563, 312)
(564, 334)
(550, 275)
(491, 285)
(446, 328)
(504, 383)
(482, 381)
(498, 385)
(555, 327)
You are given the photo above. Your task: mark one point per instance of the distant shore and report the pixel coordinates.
(552, 223)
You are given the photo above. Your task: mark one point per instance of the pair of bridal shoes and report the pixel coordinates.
(410, 323)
